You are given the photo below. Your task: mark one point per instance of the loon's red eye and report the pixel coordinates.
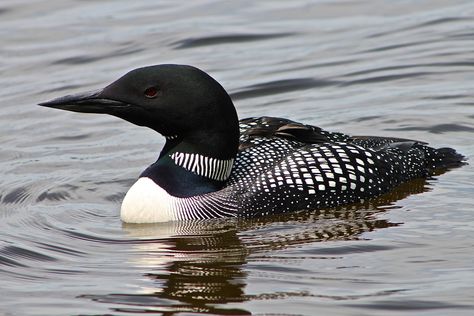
(151, 92)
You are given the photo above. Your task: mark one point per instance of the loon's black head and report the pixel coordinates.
(174, 100)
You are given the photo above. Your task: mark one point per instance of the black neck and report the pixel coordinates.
(179, 178)
(178, 181)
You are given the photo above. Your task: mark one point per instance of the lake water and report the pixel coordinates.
(393, 68)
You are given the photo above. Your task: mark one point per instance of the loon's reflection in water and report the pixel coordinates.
(197, 266)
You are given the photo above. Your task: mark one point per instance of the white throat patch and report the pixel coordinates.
(209, 167)
(147, 202)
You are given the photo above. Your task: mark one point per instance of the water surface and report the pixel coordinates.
(403, 69)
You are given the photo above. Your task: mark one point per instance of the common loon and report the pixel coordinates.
(213, 165)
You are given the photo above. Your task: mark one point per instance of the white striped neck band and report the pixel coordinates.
(208, 167)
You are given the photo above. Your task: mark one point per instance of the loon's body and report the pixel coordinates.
(214, 166)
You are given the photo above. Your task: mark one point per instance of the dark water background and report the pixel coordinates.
(393, 68)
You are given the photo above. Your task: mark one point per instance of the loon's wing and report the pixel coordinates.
(272, 127)
(377, 142)
(301, 134)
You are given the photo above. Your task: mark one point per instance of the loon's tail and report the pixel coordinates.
(443, 158)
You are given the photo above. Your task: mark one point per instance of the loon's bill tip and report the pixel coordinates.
(90, 102)
(72, 98)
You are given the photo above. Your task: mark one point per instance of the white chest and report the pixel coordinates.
(146, 202)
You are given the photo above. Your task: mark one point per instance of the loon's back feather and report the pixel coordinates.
(307, 167)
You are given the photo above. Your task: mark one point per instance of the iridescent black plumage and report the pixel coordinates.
(283, 166)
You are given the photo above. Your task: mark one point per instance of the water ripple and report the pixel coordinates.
(78, 60)
(411, 66)
(226, 39)
(10, 262)
(409, 305)
(20, 254)
(435, 129)
(53, 196)
(438, 21)
(386, 78)
(396, 46)
(16, 196)
(60, 249)
(356, 66)
(280, 86)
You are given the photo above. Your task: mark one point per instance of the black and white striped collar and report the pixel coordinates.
(209, 167)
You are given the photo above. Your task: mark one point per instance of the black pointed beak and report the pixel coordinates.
(86, 102)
